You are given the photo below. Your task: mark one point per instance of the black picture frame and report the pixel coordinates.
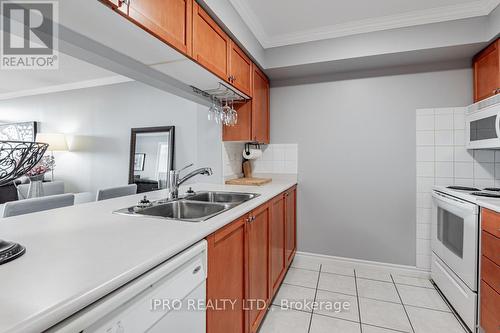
(20, 127)
(156, 129)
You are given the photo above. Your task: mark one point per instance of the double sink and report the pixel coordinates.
(198, 207)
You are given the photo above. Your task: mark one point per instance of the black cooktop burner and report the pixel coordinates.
(486, 194)
(463, 188)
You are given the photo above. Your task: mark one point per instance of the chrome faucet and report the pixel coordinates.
(174, 181)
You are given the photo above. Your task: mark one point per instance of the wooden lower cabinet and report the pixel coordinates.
(489, 293)
(290, 224)
(258, 266)
(227, 277)
(278, 263)
(490, 309)
(246, 264)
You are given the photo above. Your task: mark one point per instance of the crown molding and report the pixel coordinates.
(251, 20)
(67, 86)
(421, 17)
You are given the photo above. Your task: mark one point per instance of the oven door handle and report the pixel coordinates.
(462, 204)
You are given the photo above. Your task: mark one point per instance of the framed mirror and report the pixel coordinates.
(152, 152)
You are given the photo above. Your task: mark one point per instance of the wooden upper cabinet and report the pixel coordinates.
(118, 5)
(277, 241)
(169, 20)
(211, 45)
(260, 107)
(253, 118)
(227, 277)
(291, 224)
(242, 131)
(240, 71)
(487, 72)
(258, 266)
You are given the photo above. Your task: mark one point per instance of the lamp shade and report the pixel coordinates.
(56, 142)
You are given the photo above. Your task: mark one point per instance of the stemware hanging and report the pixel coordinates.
(222, 99)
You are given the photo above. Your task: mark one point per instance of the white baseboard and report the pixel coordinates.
(366, 264)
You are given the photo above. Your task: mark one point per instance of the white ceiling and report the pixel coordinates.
(72, 74)
(284, 22)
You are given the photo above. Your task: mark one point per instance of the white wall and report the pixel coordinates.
(357, 163)
(100, 120)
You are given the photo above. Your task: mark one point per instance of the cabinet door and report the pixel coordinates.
(277, 241)
(169, 20)
(211, 45)
(227, 277)
(490, 305)
(118, 5)
(291, 224)
(258, 296)
(487, 72)
(242, 131)
(260, 107)
(240, 70)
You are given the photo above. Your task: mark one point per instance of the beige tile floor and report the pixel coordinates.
(380, 301)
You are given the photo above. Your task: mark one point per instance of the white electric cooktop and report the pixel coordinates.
(471, 194)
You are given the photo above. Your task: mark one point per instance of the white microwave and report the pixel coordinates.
(482, 127)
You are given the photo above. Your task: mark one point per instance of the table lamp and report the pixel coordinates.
(56, 142)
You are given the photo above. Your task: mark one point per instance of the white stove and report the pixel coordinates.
(455, 246)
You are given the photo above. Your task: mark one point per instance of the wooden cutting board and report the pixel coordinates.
(248, 181)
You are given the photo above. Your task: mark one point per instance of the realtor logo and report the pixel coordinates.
(29, 34)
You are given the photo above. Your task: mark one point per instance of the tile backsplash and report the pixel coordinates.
(232, 159)
(276, 158)
(443, 160)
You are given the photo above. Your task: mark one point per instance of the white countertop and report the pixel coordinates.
(492, 204)
(76, 255)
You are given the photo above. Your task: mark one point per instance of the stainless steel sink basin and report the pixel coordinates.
(196, 208)
(222, 197)
(184, 210)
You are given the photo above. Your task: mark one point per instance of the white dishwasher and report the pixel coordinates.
(152, 302)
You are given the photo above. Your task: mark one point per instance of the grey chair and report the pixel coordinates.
(115, 192)
(49, 188)
(21, 207)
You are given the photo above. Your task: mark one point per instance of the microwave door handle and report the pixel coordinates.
(497, 125)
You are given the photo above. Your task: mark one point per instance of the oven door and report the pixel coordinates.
(455, 227)
(483, 128)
